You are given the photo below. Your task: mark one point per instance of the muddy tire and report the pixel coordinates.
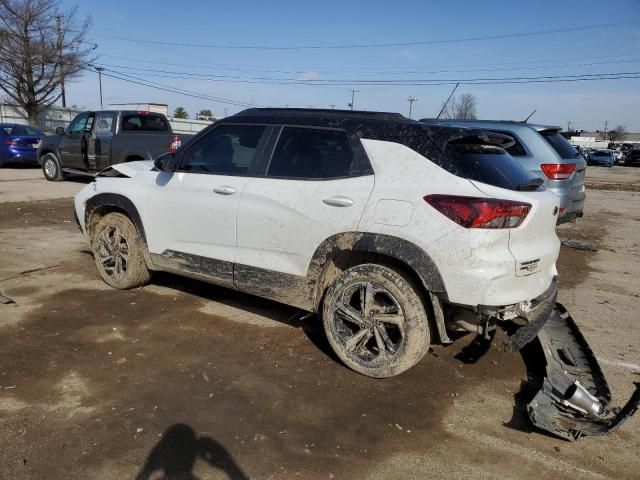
(119, 252)
(51, 168)
(375, 321)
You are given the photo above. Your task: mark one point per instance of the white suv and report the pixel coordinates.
(393, 230)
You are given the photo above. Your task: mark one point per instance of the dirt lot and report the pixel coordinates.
(208, 383)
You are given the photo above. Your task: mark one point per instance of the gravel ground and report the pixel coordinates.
(208, 383)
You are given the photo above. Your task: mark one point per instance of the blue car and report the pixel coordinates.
(19, 144)
(606, 158)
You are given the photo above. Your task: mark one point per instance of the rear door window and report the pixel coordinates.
(515, 150)
(311, 153)
(144, 122)
(559, 144)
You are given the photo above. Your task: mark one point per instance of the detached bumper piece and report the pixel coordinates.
(574, 400)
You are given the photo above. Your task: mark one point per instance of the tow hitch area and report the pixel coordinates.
(574, 400)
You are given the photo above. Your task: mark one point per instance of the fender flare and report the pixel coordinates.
(397, 248)
(114, 200)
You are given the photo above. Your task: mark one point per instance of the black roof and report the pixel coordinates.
(350, 120)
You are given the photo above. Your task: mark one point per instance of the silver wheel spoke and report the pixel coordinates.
(106, 259)
(357, 339)
(350, 314)
(385, 338)
(382, 349)
(118, 265)
(393, 318)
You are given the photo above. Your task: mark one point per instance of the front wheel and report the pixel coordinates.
(51, 168)
(119, 251)
(375, 321)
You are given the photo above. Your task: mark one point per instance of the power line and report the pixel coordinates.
(128, 67)
(395, 69)
(170, 89)
(375, 45)
(370, 82)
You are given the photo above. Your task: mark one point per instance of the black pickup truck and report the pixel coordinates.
(94, 141)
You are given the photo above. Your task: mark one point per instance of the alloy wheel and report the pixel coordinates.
(369, 323)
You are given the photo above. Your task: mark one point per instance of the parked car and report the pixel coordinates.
(602, 157)
(19, 144)
(388, 228)
(547, 155)
(356, 215)
(95, 140)
(632, 157)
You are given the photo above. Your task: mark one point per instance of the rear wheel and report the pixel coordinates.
(118, 251)
(375, 321)
(51, 168)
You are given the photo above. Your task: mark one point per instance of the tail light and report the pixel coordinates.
(558, 171)
(10, 142)
(175, 144)
(474, 212)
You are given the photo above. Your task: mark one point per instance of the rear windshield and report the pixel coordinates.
(144, 122)
(486, 164)
(22, 130)
(560, 144)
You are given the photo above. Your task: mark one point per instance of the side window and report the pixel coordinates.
(79, 124)
(311, 153)
(515, 150)
(227, 150)
(104, 123)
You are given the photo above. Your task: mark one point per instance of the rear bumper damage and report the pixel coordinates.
(574, 400)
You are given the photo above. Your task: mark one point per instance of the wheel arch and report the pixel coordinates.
(345, 250)
(103, 203)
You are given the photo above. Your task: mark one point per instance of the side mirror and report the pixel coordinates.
(165, 162)
(60, 131)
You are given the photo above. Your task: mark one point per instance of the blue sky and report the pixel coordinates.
(288, 23)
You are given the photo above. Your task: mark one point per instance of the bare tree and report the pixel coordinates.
(41, 46)
(617, 133)
(461, 107)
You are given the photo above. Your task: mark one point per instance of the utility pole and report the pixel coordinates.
(61, 57)
(568, 125)
(606, 123)
(99, 70)
(333, 106)
(225, 112)
(353, 97)
(411, 100)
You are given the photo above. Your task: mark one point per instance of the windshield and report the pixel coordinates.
(560, 144)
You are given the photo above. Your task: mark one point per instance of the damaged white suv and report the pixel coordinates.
(394, 230)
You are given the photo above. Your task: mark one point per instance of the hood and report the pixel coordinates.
(128, 169)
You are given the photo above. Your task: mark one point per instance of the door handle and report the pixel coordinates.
(338, 201)
(224, 190)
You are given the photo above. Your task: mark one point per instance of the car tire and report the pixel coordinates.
(375, 321)
(119, 252)
(51, 168)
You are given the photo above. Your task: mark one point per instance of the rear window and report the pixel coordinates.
(486, 164)
(144, 122)
(22, 130)
(560, 144)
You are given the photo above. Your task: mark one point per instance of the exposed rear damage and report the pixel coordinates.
(574, 400)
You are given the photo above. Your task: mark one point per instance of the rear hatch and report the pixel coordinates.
(534, 244)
